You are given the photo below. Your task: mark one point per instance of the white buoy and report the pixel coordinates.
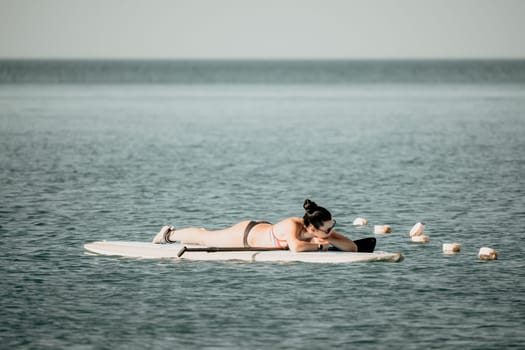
(359, 222)
(420, 239)
(486, 253)
(417, 230)
(380, 229)
(451, 248)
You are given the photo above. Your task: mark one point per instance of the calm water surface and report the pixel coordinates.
(86, 162)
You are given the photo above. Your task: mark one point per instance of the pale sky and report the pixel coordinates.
(266, 29)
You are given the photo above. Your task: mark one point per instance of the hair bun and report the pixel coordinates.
(310, 206)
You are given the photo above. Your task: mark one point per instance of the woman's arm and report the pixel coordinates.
(292, 229)
(340, 242)
(302, 246)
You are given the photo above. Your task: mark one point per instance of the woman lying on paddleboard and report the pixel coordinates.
(315, 231)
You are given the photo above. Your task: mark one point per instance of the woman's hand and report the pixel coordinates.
(321, 243)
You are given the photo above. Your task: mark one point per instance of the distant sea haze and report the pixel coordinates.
(261, 72)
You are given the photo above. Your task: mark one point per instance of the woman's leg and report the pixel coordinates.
(230, 237)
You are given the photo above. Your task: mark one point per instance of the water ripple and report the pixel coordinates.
(85, 167)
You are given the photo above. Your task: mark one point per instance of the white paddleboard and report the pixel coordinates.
(159, 251)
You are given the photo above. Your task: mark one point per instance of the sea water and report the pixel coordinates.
(114, 150)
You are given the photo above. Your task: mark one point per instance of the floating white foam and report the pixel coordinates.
(486, 253)
(417, 230)
(380, 229)
(360, 222)
(451, 248)
(421, 239)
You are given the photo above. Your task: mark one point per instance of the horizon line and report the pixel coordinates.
(267, 59)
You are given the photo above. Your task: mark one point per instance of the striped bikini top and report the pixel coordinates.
(278, 243)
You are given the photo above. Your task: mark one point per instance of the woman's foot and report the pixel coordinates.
(164, 235)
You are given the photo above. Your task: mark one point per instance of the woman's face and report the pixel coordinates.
(327, 227)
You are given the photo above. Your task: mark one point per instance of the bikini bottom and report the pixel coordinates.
(248, 228)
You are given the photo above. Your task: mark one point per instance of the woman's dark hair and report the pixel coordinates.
(315, 214)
